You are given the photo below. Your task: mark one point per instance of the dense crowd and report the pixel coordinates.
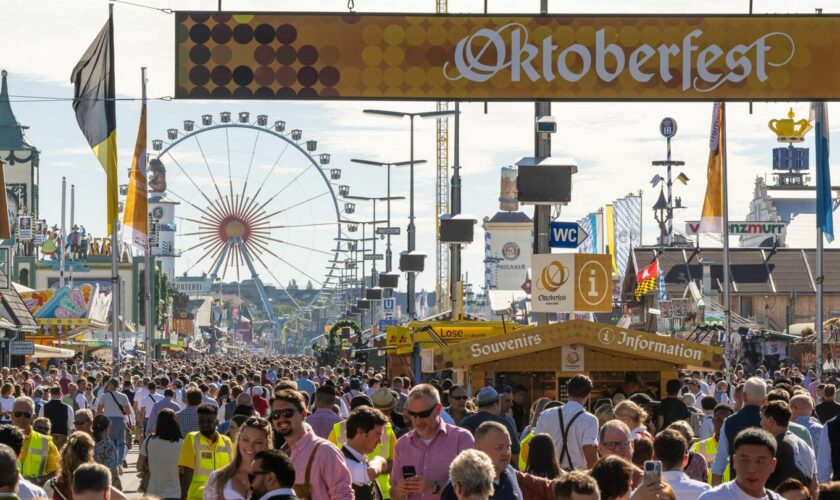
(273, 428)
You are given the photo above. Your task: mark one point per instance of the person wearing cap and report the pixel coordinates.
(260, 403)
(489, 408)
(323, 418)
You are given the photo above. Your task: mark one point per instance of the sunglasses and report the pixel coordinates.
(253, 475)
(285, 413)
(24, 414)
(458, 398)
(421, 414)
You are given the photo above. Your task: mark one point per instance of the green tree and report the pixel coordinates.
(309, 285)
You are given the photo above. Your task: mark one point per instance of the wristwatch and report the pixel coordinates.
(436, 489)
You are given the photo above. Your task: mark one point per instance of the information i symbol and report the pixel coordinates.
(592, 291)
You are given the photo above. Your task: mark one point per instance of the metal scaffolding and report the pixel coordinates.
(442, 196)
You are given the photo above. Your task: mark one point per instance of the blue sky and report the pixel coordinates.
(613, 144)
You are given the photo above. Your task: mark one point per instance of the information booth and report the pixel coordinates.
(543, 358)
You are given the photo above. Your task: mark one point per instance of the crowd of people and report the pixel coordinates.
(274, 428)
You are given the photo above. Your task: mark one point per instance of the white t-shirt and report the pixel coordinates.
(6, 406)
(162, 460)
(583, 432)
(731, 491)
(147, 401)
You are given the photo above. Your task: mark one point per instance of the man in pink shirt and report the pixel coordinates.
(314, 458)
(428, 449)
(324, 418)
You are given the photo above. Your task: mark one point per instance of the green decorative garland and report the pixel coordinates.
(329, 354)
(344, 323)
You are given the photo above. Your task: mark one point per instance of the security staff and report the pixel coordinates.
(39, 459)
(708, 447)
(202, 452)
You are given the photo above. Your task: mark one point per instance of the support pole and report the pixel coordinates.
(670, 199)
(72, 206)
(818, 320)
(410, 309)
(62, 240)
(115, 298)
(726, 271)
(455, 298)
(148, 265)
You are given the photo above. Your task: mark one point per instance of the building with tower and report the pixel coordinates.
(21, 159)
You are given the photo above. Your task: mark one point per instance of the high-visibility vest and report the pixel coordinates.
(384, 449)
(207, 459)
(524, 448)
(708, 448)
(35, 463)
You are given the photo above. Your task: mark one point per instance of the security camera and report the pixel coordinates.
(546, 125)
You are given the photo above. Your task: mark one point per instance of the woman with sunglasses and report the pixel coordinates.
(231, 482)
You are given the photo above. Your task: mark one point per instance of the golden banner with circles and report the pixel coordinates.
(442, 57)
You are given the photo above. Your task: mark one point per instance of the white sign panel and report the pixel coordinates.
(552, 283)
(572, 358)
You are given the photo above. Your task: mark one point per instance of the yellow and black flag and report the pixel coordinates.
(93, 102)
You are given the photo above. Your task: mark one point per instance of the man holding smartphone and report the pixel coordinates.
(422, 457)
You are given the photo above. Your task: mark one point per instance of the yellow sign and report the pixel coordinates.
(445, 57)
(399, 337)
(620, 341)
(455, 331)
(571, 282)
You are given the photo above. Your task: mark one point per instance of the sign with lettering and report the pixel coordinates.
(571, 358)
(246, 55)
(571, 282)
(400, 338)
(744, 228)
(566, 235)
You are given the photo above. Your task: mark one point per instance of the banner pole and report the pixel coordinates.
(726, 274)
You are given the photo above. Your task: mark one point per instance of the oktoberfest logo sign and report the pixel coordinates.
(443, 57)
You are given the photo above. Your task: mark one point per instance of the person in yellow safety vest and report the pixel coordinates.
(385, 449)
(202, 452)
(39, 459)
(708, 447)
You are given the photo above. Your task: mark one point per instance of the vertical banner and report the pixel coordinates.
(825, 208)
(135, 227)
(711, 220)
(628, 229)
(609, 230)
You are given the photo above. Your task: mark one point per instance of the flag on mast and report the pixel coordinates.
(135, 226)
(646, 279)
(825, 217)
(711, 219)
(93, 103)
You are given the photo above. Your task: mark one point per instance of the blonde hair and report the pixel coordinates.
(77, 451)
(427, 390)
(604, 413)
(632, 411)
(473, 471)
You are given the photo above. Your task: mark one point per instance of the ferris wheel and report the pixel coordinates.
(255, 200)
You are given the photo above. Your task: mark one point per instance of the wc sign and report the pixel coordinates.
(566, 235)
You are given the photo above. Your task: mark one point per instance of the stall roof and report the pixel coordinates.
(597, 335)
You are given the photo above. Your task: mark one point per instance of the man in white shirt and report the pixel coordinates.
(754, 461)
(670, 448)
(573, 429)
(364, 430)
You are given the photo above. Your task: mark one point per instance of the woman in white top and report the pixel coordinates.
(6, 402)
(159, 455)
(231, 482)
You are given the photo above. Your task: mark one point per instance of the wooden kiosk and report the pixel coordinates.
(544, 357)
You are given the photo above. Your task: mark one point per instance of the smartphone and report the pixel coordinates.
(409, 471)
(653, 471)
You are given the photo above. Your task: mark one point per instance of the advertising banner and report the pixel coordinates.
(504, 57)
(572, 282)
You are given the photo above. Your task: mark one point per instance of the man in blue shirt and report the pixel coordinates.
(304, 384)
(489, 407)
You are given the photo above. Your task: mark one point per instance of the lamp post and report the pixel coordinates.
(388, 253)
(411, 227)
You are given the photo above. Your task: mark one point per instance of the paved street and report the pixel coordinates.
(130, 481)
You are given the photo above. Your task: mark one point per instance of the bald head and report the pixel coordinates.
(800, 405)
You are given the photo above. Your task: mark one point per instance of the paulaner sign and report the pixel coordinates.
(393, 56)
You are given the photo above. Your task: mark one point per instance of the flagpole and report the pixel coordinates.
(147, 262)
(62, 240)
(725, 231)
(115, 270)
(818, 323)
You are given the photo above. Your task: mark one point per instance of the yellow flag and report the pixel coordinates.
(135, 227)
(711, 219)
(609, 217)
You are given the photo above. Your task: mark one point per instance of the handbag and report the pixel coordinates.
(126, 418)
(145, 474)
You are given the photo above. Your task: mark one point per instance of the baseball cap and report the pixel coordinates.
(487, 395)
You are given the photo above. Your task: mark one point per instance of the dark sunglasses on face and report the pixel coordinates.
(285, 413)
(421, 414)
(458, 398)
(253, 475)
(24, 414)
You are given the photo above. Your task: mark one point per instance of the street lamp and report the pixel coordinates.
(388, 253)
(411, 227)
